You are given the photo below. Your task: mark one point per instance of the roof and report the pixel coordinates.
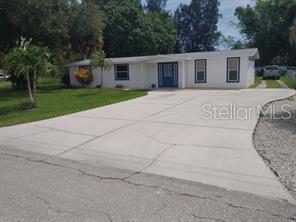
(251, 53)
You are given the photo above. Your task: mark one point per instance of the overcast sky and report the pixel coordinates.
(227, 8)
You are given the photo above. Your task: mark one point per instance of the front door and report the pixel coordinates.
(168, 74)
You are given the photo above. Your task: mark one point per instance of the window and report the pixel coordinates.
(121, 72)
(233, 69)
(201, 71)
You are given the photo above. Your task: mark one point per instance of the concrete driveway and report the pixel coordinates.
(164, 133)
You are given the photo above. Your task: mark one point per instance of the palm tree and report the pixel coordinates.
(99, 60)
(27, 60)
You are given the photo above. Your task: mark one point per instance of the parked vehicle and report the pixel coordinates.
(272, 71)
(3, 77)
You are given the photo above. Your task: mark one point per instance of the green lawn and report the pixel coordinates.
(288, 82)
(271, 83)
(53, 101)
(257, 82)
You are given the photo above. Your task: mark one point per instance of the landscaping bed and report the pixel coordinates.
(54, 100)
(275, 141)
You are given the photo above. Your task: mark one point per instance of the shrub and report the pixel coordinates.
(65, 79)
(84, 77)
(26, 105)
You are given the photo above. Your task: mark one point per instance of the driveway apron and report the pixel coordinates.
(168, 133)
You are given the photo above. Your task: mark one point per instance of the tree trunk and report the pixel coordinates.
(34, 88)
(102, 78)
(29, 88)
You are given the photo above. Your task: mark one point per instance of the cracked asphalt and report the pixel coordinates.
(35, 187)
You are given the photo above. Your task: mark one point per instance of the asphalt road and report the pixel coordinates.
(36, 187)
(165, 133)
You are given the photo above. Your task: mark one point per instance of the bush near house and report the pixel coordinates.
(288, 82)
(84, 77)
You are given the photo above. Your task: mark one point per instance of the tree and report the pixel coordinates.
(292, 34)
(229, 42)
(197, 25)
(86, 28)
(266, 27)
(130, 32)
(44, 21)
(99, 60)
(28, 61)
(156, 6)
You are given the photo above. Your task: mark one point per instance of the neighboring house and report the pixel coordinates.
(219, 69)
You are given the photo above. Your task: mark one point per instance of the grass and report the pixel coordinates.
(53, 101)
(271, 83)
(257, 82)
(288, 82)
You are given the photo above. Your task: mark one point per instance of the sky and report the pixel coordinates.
(227, 8)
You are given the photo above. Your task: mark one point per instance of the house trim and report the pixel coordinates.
(115, 72)
(205, 75)
(177, 75)
(238, 71)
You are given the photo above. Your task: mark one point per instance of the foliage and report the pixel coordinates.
(59, 25)
(228, 42)
(86, 28)
(83, 76)
(99, 60)
(292, 34)
(289, 82)
(27, 61)
(65, 79)
(54, 101)
(129, 31)
(279, 60)
(266, 27)
(43, 21)
(197, 25)
(156, 6)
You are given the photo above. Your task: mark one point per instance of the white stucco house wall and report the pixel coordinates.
(217, 69)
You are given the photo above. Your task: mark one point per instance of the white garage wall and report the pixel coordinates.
(134, 81)
(216, 74)
(251, 73)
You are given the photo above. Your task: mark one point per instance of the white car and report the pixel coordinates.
(3, 77)
(272, 71)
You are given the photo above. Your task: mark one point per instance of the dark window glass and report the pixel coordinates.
(200, 70)
(121, 72)
(200, 76)
(233, 69)
(272, 68)
(122, 75)
(121, 68)
(233, 75)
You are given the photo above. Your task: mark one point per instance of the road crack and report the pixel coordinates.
(125, 180)
(50, 206)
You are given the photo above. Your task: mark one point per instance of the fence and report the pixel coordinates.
(292, 74)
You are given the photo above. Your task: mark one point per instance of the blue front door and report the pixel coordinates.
(168, 74)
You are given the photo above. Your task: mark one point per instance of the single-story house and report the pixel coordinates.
(217, 69)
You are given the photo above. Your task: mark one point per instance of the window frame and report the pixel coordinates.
(237, 69)
(115, 72)
(205, 71)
